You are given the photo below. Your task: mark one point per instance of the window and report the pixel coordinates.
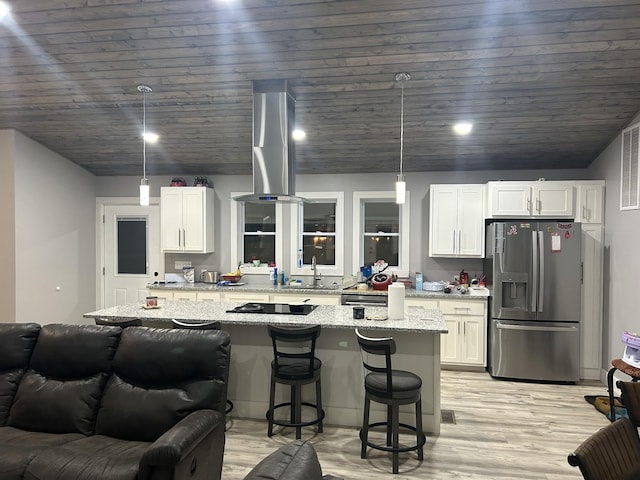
(256, 234)
(381, 231)
(132, 245)
(317, 230)
(259, 235)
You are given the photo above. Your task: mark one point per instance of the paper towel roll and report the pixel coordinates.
(396, 301)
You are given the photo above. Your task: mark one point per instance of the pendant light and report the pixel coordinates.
(144, 183)
(401, 186)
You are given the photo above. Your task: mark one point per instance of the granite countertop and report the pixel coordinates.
(472, 293)
(328, 316)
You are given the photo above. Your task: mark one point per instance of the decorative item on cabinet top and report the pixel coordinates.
(198, 181)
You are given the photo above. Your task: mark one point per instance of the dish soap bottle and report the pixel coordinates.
(299, 258)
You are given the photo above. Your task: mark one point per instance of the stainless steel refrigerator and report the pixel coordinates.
(534, 269)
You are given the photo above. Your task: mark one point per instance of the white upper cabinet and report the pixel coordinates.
(186, 218)
(456, 221)
(590, 202)
(531, 199)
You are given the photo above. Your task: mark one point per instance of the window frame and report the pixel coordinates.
(359, 199)
(237, 236)
(296, 234)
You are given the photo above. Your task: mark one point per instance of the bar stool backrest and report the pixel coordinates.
(196, 326)
(136, 322)
(305, 338)
(377, 347)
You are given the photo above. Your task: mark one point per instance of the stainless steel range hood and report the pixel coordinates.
(273, 146)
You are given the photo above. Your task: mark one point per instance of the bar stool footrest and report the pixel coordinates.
(386, 448)
(284, 423)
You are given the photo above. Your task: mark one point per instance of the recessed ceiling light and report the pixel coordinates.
(463, 128)
(298, 134)
(150, 137)
(4, 10)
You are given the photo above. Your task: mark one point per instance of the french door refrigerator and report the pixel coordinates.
(535, 270)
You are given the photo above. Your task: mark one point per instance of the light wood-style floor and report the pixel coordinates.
(502, 430)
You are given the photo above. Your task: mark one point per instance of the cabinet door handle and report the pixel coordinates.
(529, 204)
(454, 241)
(459, 240)
(179, 239)
(538, 205)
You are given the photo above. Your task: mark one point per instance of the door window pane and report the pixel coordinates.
(132, 245)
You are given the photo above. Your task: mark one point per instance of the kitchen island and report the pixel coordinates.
(417, 337)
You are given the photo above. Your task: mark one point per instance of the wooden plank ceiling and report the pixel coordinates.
(546, 83)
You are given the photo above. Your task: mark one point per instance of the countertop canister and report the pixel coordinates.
(396, 301)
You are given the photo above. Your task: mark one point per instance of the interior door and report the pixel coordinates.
(132, 257)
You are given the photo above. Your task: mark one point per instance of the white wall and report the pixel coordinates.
(55, 236)
(622, 255)
(7, 232)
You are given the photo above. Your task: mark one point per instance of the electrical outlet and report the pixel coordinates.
(180, 265)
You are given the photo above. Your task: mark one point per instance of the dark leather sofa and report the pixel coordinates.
(93, 402)
(294, 461)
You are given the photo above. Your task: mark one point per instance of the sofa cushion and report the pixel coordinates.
(60, 391)
(17, 340)
(160, 376)
(90, 458)
(19, 447)
(293, 461)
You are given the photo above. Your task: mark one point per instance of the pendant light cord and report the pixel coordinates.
(401, 125)
(144, 133)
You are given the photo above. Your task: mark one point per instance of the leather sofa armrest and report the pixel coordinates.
(179, 441)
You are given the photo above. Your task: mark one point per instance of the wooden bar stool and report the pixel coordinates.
(624, 367)
(393, 388)
(295, 367)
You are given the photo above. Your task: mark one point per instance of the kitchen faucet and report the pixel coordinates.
(314, 269)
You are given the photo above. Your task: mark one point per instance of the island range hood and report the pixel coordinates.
(273, 145)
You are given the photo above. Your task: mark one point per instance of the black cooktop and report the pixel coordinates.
(275, 308)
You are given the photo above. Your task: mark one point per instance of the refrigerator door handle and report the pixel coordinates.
(541, 268)
(534, 271)
(535, 328)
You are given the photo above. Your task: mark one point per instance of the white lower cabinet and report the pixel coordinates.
(244, 297)
(465, 344)
(208, 296)
(466, 320)
(310, 299)
(162, 294)
(180, 295)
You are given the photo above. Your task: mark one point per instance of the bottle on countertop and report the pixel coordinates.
(275, 276)
(419, 282)
(299, 258)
